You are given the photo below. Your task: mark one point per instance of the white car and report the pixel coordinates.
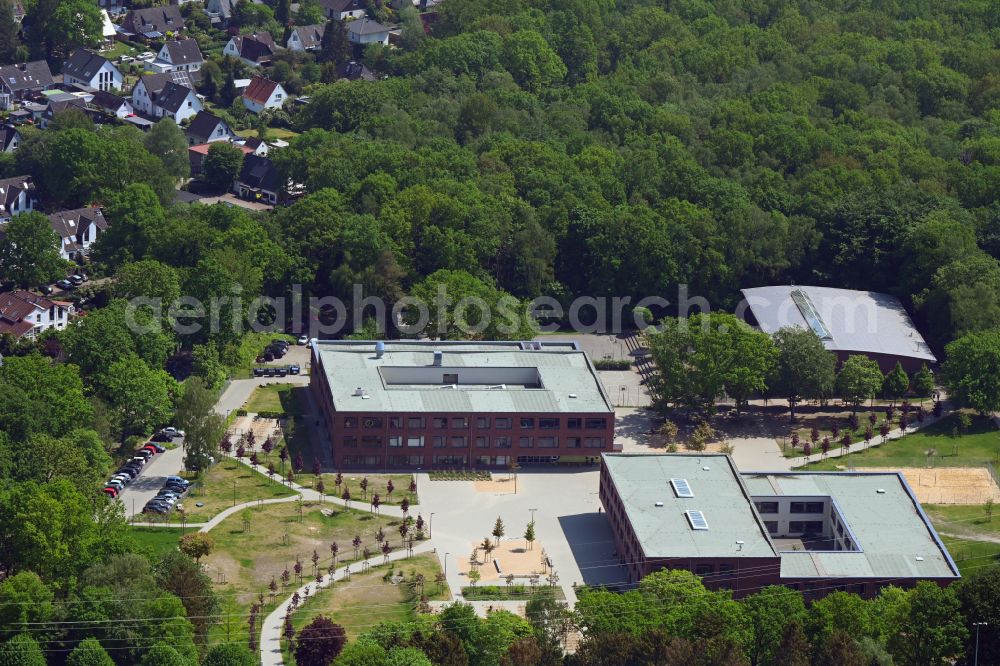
(172, 431)
(303, 339)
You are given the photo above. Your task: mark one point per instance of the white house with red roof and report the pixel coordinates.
(24, 314)
(262, 94)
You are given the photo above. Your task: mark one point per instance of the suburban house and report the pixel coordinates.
(179, 55)
(220, 11)
(367, 31)
(18, 82)
(206, 127)
(77, 230)
(9, 139)
(343, 10)
(86, 68)
(197, 154)
(154, 22)
(17, 195)
(263, 94)
(306, 37)
(177, 102)
(108, 29)
(258, 180)
(255, 49)
(164, 95)
(62, 102)
(26, 315)
(112, 104)
(256, 146)
(354, 71)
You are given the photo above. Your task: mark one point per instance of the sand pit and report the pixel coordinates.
(513, 559)
(948, 485)
(502, 486)
(261, 428)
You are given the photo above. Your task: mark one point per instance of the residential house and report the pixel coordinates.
(220, 11)
(256, 146)
(18, 82)
(111, 104)
(255, 49)
(86, 68)
(10, 138)
(17, 195)
(154, 22)
(148, 96)
(354, 71)
(62, 102)
(179, 55)
(197, 154)
(343, 10)
(78, 230)
(206, 127)
(24, 314)
(367, 31)
(108, 30)
(306, 37)
(263, 94)
(258, 180)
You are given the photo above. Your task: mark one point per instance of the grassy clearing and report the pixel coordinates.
(272, 133)
(283, 398)
(513, 593)
(370, 598)
(977, 447)
(376, 484)
(963, 519)
(970, 555)
(243, 563)
(155, 540)
(218, 487)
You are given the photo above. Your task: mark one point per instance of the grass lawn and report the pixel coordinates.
(284, 398)
(243, 563)
(272, 133)
(376, 484)
(215, 490)
(518, 592)
(963, 519)
(977, 447)
(970, 555)
(119, 49)
(370, 598)
(155, 540)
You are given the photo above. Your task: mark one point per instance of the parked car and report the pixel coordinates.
(155, 507)
(260, 359)
(157, 447)
(282, 372)
(161, 437)
(45, 289)
(76, 279)
(279, 341)
(294, 369)
(65, 284)
(272, 372)
(303, 339)
(172, 431)
(110, 492)
(268, 357)
(258, 372)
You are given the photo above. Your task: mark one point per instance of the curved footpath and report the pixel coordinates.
(270, 632)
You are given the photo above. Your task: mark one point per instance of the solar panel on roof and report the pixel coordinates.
(681, 487)
(697, 520)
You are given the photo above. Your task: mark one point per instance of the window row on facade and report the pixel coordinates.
(481, 423)
(462, 442)
(440, 461)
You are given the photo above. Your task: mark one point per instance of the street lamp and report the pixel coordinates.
(430, 527)
(446, 564)
(977, 625)
(532, 514)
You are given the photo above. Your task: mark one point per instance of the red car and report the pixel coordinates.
(151, 449)
(110, 492)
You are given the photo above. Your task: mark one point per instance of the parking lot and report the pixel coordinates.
(145, 486)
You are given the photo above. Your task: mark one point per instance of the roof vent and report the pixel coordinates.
(697, 520)
(499, 387)
(359, 391)
(657, 503)
(681, 487)
(706, 469)
(572, 395)
(880, 491)
(438, 357)
(919, 559)
(379, 349)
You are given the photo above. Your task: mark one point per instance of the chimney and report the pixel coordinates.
(438, 357)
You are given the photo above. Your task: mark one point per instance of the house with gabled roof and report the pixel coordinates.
(10, 138)
(367, 31)
(306, 37)
(19, 81)
(111, 104)
(17, 195)
(154, 22)
(179, 55)
(263, 94)
(78, 229)
(206, 127)
(256, 49)
(220, 11)
(343, 10)
(24, 314)
(177, 102)
(258, 180)
(86, 68)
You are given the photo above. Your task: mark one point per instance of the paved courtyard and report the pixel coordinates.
(575, 536)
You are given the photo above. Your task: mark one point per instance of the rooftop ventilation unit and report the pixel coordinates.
(379, 349)
(657, 503)
(438, 358)
(697, 520)
(681, 487)
(359, 392)
(498, 387)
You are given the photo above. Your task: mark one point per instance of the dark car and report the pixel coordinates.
(45, 289)
(155, 507)
(258, 372)
(280, 343)
(144, 453)
(282, 372)
(65, 284)
(260, 359)
(161, 437)
(175, 488)
(76, 279)
(272, 372)
(268, 357)
(294, 369)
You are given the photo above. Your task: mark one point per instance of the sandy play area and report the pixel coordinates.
(513, 559)
(949, 485)
(262, 428)
(498, 485)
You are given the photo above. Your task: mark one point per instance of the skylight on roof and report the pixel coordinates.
(697, 520)
(681, 487)
(809, 313)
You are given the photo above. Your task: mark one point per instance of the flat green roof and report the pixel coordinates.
(658, 515)
(894, 535)
(567, 380)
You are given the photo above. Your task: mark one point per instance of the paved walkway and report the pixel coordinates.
(270, 632)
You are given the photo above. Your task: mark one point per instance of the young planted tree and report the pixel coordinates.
(529, 534)
(896, 383)
(923, 382)
(498, 530)
(364, 487)
(860, 379)
(196, 545)
(376, 501)
(356, 542)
